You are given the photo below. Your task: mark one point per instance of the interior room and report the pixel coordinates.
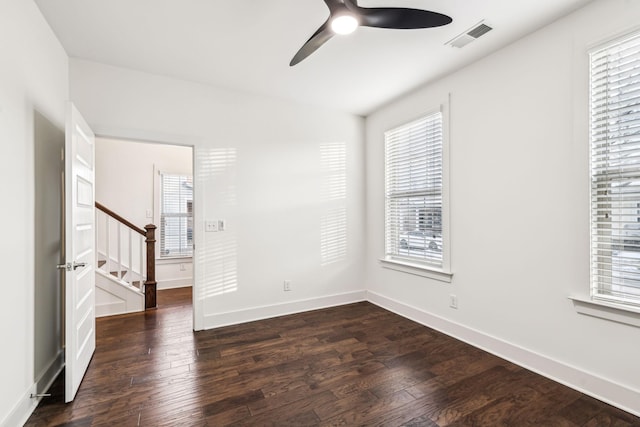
(292, 209)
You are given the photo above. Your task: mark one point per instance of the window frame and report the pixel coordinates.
(408, 264)
(158, 216)
(599, 303)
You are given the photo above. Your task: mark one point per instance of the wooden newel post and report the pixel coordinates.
(150, 283)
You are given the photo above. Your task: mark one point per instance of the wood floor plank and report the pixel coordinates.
(369, 412)
(351, 365)
(298, 412)
(228, 417)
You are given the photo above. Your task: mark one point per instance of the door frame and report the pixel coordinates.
(148, 137)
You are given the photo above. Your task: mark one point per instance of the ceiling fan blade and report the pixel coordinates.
(320, 37)
(399, 17)
(334, 5)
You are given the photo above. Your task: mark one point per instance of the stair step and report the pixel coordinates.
(115, 273)
(101, 262)
(136, 284)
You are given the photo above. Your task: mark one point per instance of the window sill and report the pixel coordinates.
(416, 269)
(607, 310)
(174, 260)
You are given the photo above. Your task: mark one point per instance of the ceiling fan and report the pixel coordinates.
(345, 16)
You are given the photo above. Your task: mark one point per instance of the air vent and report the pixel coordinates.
(479, 31)
(470, 35)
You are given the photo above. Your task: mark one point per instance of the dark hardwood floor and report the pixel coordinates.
(351, 365)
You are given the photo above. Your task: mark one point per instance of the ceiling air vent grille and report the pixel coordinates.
(470, 35)
(479, 31)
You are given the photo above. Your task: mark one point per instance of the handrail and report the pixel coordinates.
(117, 217)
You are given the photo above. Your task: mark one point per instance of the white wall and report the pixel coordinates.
(519, 209)
(125, 183)
(33, 88)
(287, 178)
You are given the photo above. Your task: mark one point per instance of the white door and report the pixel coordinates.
(80, 319)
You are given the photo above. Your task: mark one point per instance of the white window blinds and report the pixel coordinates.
(615, 171)
(176, 216)
(413, 199)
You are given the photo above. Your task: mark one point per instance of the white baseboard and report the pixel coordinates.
(175, 283)
(265, 312)
(48, 375)
(27, 404)
(22, 410)
(602, 389)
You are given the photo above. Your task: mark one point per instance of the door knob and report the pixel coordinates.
(71, 266)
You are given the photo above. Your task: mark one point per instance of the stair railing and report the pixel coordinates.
(128, 251)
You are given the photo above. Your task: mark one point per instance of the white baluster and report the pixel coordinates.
(108, 237)
(119, 273)
(130, 276)
(142, 251)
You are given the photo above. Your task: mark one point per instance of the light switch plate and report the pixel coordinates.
(211, 226)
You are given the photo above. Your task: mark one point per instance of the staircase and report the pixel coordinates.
(136, 283)
(125, 273)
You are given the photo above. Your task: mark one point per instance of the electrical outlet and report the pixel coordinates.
(453, 301)
(287, 285)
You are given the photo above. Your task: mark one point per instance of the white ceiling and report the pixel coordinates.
(247, 44)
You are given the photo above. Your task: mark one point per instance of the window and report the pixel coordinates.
(176, 216)
(615, 171)
(414, 193)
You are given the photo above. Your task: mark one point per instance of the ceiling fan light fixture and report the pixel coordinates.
(344, 24)
(345, 16)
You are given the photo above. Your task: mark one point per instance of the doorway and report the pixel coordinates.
(146, 183)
